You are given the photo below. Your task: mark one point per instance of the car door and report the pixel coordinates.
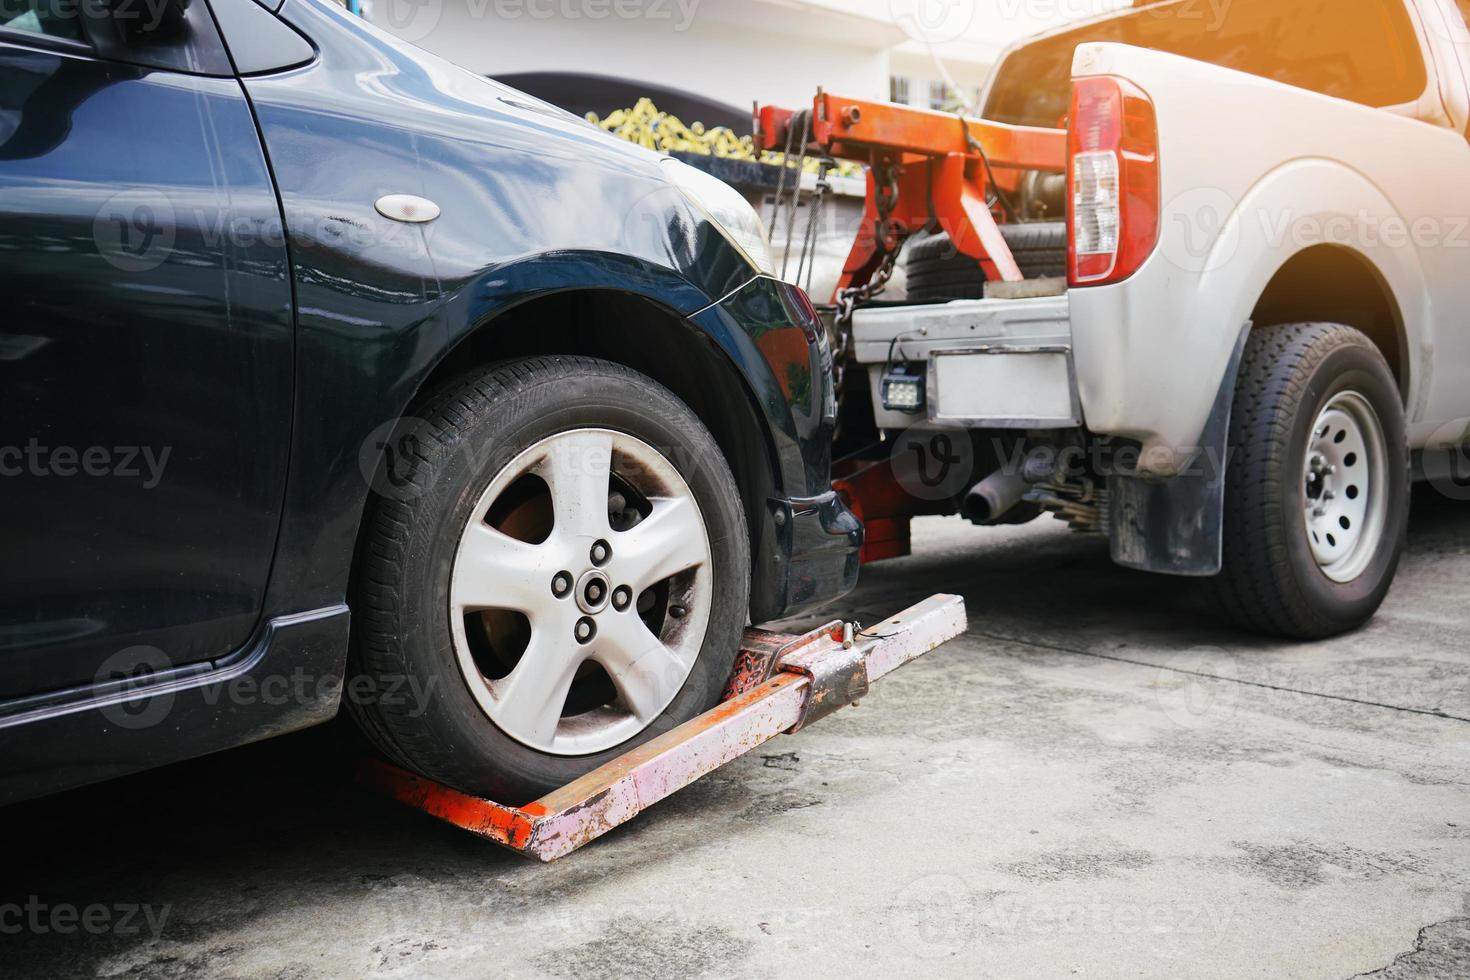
(145, 345)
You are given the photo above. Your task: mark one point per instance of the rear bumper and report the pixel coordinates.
(819, 541)
(990, 363)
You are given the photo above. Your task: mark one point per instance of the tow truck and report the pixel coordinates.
(1191, 284)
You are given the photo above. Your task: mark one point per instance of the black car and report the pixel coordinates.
(333, 373)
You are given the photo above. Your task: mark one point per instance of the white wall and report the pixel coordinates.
(919, 69)
(729, 62)
(735, 51)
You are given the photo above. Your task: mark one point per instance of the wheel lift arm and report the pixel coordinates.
(781, 683)
(924, 167)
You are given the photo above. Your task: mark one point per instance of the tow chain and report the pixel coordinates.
(848, 300)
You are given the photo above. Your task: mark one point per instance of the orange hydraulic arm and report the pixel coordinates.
(924, 167)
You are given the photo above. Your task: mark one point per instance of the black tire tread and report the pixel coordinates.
(936, 270)
(1255, 587)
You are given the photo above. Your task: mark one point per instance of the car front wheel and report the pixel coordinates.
(566, 576)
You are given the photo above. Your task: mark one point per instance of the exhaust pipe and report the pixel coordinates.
(989, 499)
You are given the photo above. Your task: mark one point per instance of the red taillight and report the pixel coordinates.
(1112, 180)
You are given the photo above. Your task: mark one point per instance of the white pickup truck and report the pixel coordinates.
(1265, 320)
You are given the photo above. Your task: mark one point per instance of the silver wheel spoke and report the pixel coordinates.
(531, 699)
(646, 672)
(580, 601)
(497, 571)
(1343, 500)
(668, 541)
(578, 468)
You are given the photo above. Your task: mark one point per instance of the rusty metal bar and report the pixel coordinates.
(853, 127)
(812, 674)
(925, 168)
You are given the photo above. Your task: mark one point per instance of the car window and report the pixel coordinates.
(1362, 50)
(53, 18)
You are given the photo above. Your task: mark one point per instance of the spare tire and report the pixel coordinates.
(936, 270)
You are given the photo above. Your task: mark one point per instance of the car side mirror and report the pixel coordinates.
(145, 23)
(175, 35)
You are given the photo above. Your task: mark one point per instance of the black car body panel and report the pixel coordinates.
(148, 369)
(288, 424)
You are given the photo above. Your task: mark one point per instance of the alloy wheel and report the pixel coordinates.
(581, 591)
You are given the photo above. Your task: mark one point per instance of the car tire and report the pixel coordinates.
(496, 486)
(1317, 483)
(936, 271)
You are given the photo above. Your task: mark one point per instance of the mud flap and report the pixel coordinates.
(1176, 526)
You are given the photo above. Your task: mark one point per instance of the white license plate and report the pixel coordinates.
(1001, 387)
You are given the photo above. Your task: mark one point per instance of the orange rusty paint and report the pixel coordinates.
(585, 809)
(927, 132)
(504, 825)
(947, 190)
(940, 176)
(910, 130)
(560, 800)
(870, 488)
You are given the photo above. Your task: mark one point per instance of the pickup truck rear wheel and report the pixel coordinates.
(564, 575)
(1317, 482)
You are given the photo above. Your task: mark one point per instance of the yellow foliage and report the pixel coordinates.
(645, 125)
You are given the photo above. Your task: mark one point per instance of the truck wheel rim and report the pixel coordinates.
(1344, 498)
(580, 592)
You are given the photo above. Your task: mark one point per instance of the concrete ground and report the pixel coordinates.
(1099, 780)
